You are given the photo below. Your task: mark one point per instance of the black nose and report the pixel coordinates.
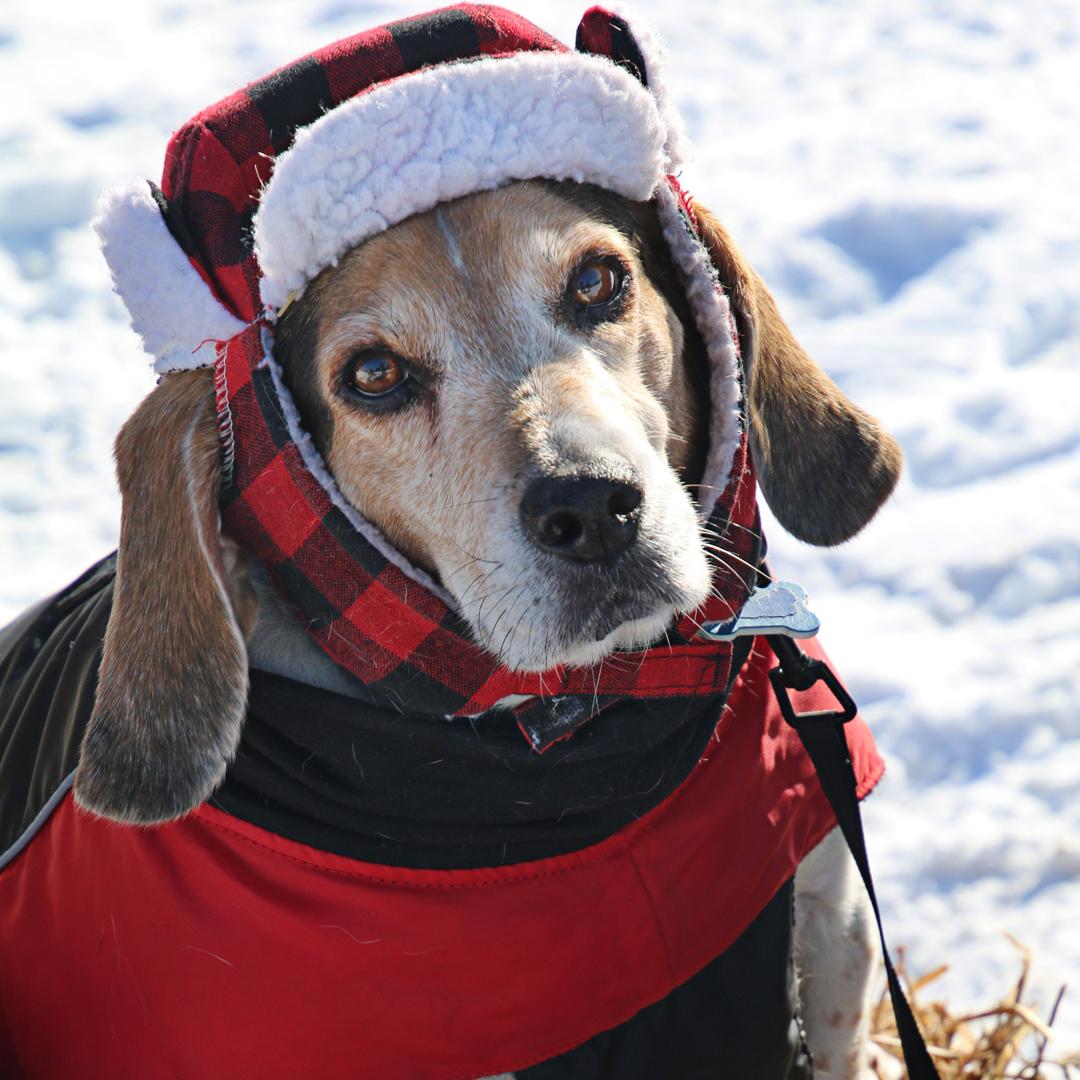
(585, 518)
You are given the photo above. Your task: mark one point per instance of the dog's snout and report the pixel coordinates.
(589, 519)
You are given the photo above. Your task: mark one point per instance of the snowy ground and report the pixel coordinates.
(906, 177)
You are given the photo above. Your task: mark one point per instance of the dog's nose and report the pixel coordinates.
(589, 519)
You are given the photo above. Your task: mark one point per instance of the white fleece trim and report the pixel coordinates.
(445, 132)
(712, 314)
(314, 463)
(172, 309)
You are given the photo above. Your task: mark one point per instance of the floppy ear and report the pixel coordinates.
(824, 465)
(172, 688)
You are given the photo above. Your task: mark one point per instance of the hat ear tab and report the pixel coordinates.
(825, 466)
(172, 308)
(603, 33)
(172, 688)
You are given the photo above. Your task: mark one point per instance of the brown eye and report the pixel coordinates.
(375, 374)
(595, 283)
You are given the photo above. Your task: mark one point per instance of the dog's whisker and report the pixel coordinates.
(502, 614)
(732, 611)
(711, 531)
(473, 561)
(472, 558)
(723, 554)
(708, 528)
(693, 621)
(486, 596)
(644, 655)
(508, 645)
(721, 559)
(509, 635)
(619, 662)
(506, 603)
(477, 583)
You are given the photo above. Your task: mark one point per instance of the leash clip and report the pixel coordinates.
(797, 671)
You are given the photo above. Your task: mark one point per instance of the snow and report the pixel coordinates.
(905, 177)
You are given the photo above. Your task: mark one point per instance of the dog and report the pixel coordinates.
(476, 278)
(512, 388)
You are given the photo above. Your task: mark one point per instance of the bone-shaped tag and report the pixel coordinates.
(778, 608)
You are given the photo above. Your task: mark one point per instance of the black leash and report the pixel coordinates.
(822, 734)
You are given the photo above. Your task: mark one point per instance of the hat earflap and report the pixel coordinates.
(172, 308)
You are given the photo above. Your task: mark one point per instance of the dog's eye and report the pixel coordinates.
(595, 283)
(375, 374)
(596, 292)
(378, 381)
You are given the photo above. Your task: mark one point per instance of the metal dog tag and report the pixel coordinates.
(778, 608)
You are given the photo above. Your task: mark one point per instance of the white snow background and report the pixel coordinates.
(907, 178)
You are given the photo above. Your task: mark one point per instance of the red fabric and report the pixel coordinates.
(210, 948)
(594, 32)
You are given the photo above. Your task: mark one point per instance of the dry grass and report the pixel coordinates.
(1009, 1040)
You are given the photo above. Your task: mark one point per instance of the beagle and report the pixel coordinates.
(510, 387)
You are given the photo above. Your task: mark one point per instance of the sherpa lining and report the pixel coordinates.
(172, 309)
(452, 130)
(712, 314)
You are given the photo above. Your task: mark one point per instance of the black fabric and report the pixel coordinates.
(349, 777)
(173, 215)
(625, 50)
(226, 231)
(49, 658)
(825, 742)
(291, 98)
(735, 1019)
(435, 38)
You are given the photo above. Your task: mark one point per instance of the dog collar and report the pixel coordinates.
(274, 183)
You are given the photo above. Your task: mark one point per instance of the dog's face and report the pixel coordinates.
(499, 385)
(508, 386)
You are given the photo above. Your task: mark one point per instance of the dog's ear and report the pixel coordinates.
(173, 680)
(824, 465)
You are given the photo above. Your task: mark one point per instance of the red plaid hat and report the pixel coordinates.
(276, 182)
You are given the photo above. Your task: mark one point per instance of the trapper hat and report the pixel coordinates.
(277, 181)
